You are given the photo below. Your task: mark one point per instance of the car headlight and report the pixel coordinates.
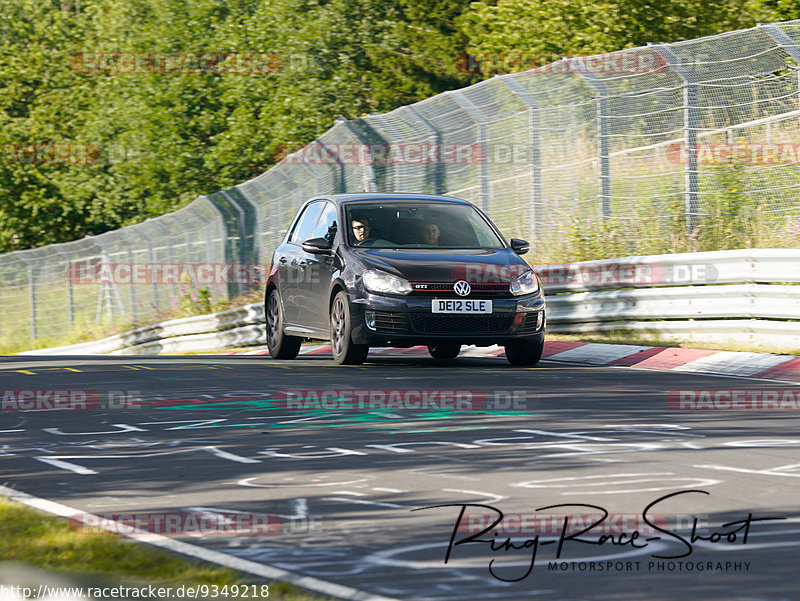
(527, 283)
(381, 282)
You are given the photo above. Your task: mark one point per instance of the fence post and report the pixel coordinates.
(436, 137)
(339, 181)
(603, 112)
(131, 289)
(109, 293)
(70, 294)
(165, 236)
(367, 173)
(141, 231)
(314, 175)
(201, 219)
(479, 119)
(535, 142)
(691, 118)
(31, 296)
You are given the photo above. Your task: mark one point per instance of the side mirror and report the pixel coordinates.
(317, 246)
(520, 246)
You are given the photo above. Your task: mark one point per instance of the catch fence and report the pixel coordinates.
(666, 148)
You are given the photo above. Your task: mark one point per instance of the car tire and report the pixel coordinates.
(445, 350)
(524, 352)
(280, 345)
(345, 352)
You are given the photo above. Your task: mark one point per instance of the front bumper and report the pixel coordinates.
(409, 321)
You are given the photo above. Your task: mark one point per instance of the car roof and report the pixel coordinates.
(379, 197)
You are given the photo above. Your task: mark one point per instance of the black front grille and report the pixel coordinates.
(391, 323)
(484, 290)
(432, 323)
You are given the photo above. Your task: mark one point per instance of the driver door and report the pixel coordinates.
(293, 266)
(313, 289)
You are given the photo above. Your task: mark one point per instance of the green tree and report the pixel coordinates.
(555, 28)
(39, 130)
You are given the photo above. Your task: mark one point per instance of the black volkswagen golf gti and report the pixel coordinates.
(401, 270)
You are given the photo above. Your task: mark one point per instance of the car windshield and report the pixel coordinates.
(431, 225)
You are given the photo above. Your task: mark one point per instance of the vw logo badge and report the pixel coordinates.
(462, 288)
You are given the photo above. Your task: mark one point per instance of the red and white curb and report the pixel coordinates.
(768, 366)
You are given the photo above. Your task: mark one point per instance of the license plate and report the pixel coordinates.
(460, 306)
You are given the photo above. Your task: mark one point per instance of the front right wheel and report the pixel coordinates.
(524, 352)
(345, 352)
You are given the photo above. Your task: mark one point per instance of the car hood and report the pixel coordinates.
(445, 265)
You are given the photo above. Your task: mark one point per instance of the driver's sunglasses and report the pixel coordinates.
(360, 227)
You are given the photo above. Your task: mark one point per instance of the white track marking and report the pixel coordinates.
(248, 482)
(66, 465)
(588, 484)
(223, 559)
(366, 502)
(122, 428)
(230, 456)
(784, 471)
(58, 460)
(484, 496)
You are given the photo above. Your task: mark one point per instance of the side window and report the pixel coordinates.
(326, 226)
(302, 231)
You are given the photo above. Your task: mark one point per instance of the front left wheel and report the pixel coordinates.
(280, 345)
(524, 352)
(345, 352)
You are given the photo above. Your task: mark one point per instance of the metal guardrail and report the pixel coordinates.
(693, 296)
(756, 265)
(727, 297)
(243, 326)
(729, 301)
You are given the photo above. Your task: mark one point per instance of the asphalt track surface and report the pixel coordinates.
(208, 436)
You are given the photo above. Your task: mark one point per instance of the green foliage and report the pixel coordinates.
(580, 27)
(85, 150)
(151, 141)
(776, 10)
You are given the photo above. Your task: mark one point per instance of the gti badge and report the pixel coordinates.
(461, 288)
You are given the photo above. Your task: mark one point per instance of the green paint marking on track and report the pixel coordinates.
(254, 403)
(374, 416)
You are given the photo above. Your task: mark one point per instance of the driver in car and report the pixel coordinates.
(430, 234)
(361, 228)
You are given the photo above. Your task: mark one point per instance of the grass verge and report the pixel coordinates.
(50, 543)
